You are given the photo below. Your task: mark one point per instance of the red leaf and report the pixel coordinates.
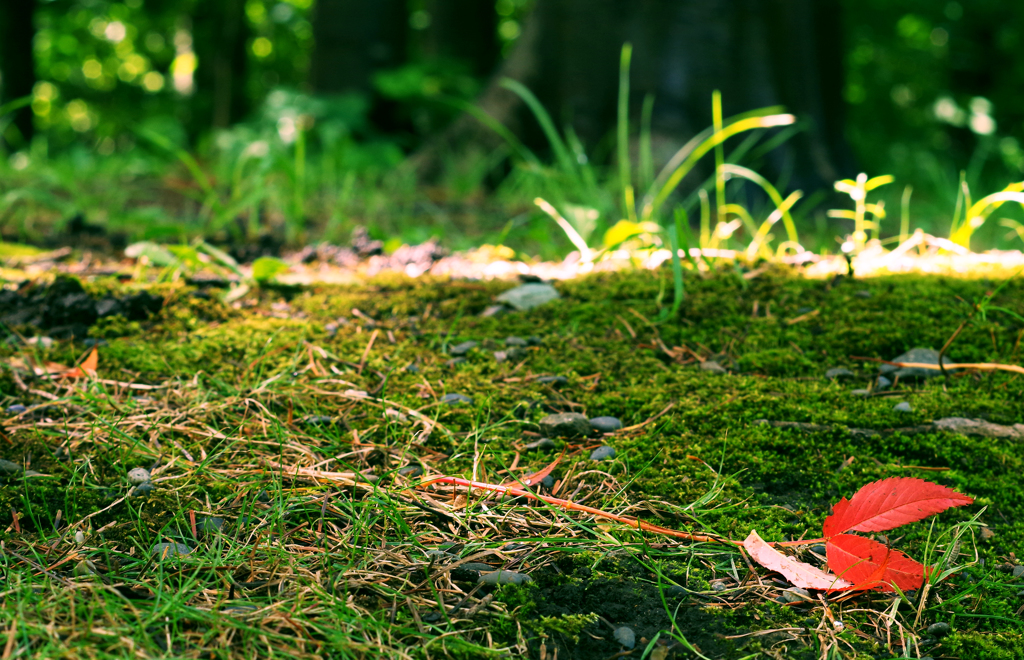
(800, 574)
(534, 478)
(871, 565)
(889, 503)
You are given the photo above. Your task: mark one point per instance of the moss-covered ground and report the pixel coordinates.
(254, 414)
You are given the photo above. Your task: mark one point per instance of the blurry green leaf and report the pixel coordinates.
(265, 269)
(8, 250)
(157, 255)
(623, 230)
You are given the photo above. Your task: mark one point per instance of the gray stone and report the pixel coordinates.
(515, 341)
(882, 383)
(553, 381)
(601, 453)
(548, 481)
(411, 471)
(476, 566)
(165, 550)
(138, 476)
(860, 392)
(917, 355)
(565, 425)
(16, 409)
(317, 420)
(534, 340)
(145, 488)
(606, 424)
(463, 348)
(624, 635)
(453, 399)
(7, 467)
(1018, 571)
(504, 577)
(209, 524)
(528, 296)
(939, 629)
(819, 550)
(500, 356)
(902, 406)
(796, 595)
(543, 443)
(718, 586)
(862, 294)
(439, 555)
(839, 373)
(712, 367)
(84, 568)
(515, 353)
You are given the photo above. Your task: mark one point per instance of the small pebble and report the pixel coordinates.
(263, 497)
(548, 481)
(838, 373)
(606, 424)
(712, 367)
(413, 369)
(819, 550)
(860, 392)
(138, 476)
(567, 425)
(939, 629)
(553, 381)
(209, 524)
(500, 356)
(317, 420)
(7, 467)
(515, 353)
(84, 568)
(411, 471)
(515, 341)
(16, 409)
(602, 453)
(543, 443)
(902, 406)
(534, 341)
(164, 550)
(882, 383)
(862, 294)
(987, 533)
(79, 537)
(796, 595)
(476, 566)
(718, 586)
(145, 488)
(331, 329)
(463, 348)
(504, 577)
(624, 635)
(1018, 571)
(453, 399)
(439, 555)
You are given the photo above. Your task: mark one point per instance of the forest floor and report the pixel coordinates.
(277, 443)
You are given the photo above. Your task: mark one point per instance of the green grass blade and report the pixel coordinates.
(646, 167)
(622, 125)
(548, 126)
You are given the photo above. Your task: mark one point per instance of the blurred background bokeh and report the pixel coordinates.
(281, 122)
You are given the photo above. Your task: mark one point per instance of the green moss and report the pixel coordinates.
(980, 646)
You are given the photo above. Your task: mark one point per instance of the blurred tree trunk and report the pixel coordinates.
(757, 52)
(353, 39)
(220, 40)
(465, 30)
(17, 65)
